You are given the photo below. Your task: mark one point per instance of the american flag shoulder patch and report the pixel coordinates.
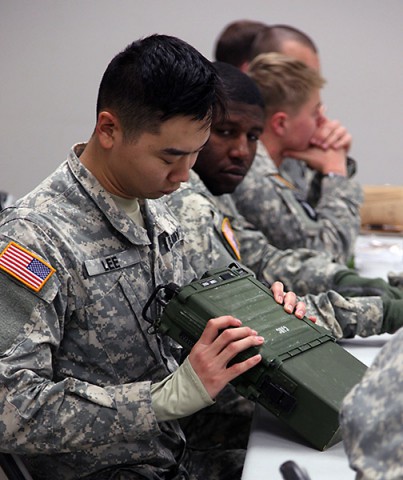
(25, 266)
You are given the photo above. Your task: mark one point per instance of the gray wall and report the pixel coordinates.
(53, 54)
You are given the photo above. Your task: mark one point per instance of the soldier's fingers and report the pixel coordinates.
(344, 141)
(238, 368)
(277, 289)
(210, 362)
(334, 136)
(300, 310)
(234, 347)
(290, 301)
(231, 336)
(214, 327)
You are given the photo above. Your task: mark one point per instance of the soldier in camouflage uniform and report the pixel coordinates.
(213, 224)
(243, 40)
(371, 417)
(85, 390)
(274, 202)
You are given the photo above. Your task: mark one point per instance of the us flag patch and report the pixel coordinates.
(25, 266)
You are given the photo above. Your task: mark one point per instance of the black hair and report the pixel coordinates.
(156, 78)
(238, 86)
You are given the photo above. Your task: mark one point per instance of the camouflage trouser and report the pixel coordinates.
(216, 441)
(217, 438)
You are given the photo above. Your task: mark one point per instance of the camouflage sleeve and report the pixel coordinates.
(271, 205)
(199, 219)
(346, 317)
(42, 410)
(371, 416)
(301, 270)
(311, 274)
(42, 414)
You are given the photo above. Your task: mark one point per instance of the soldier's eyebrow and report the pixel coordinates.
(178, 153)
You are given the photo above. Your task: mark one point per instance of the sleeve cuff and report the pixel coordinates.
(180, 394)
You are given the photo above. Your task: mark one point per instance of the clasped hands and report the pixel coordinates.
(328, 149)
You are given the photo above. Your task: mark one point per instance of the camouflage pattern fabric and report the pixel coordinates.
(371, 416)
(76, 358)
(303, 271)
(306, 180)
(299, 175)
(275, 207)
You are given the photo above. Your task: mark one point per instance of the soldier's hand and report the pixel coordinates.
(217, 346)
(324, 161)
(332, 134)
(289, 300)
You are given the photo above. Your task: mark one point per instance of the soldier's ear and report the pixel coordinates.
(278, 123)
(107, 129)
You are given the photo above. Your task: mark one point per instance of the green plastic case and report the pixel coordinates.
(304, 374)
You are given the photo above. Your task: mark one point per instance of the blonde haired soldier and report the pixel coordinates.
(285, 83)
(270, 200)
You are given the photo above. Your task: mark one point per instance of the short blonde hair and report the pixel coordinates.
(285, 83)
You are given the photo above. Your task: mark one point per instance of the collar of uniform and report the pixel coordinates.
(164, 220)
(223, 203)
(262, 162)
(194, 183)
(134, 233)
(157, 215)
(264, 166)
(164, 229)
(197, 184)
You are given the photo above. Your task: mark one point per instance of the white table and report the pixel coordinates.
(271, 442)
(378, 254)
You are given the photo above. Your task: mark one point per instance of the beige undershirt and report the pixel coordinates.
(181, 393)
(131, 207)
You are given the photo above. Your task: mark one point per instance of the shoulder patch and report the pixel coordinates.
(25, 266)
(230, 237)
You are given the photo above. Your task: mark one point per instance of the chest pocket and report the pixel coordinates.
(108, 332)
